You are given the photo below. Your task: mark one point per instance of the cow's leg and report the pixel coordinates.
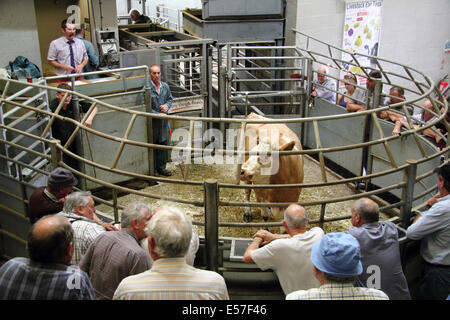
(248, 210)
(266, 214)
(277, 214)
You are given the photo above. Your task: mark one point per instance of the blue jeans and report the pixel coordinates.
(435, 282)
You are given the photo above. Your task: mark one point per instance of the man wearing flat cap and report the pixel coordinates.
(50, 199)
(337, 262)
(432, 227)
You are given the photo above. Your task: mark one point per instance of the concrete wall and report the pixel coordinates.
(413, 32)
(18, 32)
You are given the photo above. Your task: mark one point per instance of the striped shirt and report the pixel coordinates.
(338, 291)
(173, 279)
(84, 233)
(22, 279)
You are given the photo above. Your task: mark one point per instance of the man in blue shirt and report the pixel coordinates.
(432, 227)
(161, 102)
(47, 275)
(93, 58)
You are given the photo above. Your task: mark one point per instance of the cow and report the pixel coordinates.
(275, 169)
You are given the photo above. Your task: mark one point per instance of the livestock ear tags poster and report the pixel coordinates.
(362, 28)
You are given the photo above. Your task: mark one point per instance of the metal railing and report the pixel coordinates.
(299, 102)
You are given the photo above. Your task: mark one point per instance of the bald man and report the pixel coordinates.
(380, 253)
(47, 274)
(323, 86)
(288, 255)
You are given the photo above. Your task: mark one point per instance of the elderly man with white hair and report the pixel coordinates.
(324, 87)
(171, 278)
(116, 255)
(80, 211)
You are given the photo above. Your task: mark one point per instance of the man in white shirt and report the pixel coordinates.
(288, 255)
(67, 54)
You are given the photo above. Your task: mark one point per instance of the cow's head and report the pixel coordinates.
(260, 167)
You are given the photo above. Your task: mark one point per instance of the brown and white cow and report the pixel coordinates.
(275, 169)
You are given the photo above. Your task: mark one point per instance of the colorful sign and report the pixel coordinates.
(362, 28)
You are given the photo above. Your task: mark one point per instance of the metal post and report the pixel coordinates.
(56, 155)
(116, 210)
(148, 109)
(408, 192)
(222, 98)
(78, 139)
(212, 224)
(307, 100)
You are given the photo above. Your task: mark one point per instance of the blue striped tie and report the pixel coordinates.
(72, 58)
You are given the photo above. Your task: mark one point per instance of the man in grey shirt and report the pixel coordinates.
(432, 227)
(380, 253)
(324, 86)
(116, 255)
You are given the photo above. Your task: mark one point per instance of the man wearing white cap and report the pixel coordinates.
(337, 262)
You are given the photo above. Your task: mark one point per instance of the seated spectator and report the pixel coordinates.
(432, 228)
(350, 90)
(324, 87)
(80, 211)
(368, 94)
(337, 262)
(425, 117)
(396, 95)
(171, 278)
(117, 254)
(50, 199)
(47, 274)
(288, 255)
(378, 241)
(137, 17)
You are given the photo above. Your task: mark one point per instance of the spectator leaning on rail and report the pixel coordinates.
(337, 262)
(50, 199)
(324, 87)
(396, 95)
(432, 227)
(80, 211)
(117, 254)
(171, 278)
(368, 94)
(288, 255)
(350, 90)
(67, 54)
(426, 117)
(380, 252)
(47, 274)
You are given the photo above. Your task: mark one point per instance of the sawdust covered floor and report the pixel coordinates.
(226, 174)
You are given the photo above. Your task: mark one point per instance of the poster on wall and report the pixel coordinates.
(362, 28)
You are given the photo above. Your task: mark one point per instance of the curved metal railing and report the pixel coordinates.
(420, 87)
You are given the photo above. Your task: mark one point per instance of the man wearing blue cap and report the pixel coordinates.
(432, 227)
(337, 262)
